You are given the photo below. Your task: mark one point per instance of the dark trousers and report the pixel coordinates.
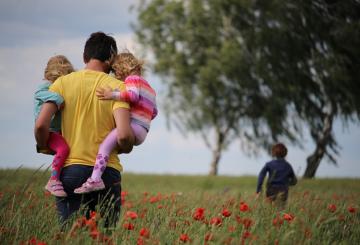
(278, 194)
(107, 201)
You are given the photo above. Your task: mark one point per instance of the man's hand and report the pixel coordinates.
(104, 93)
(46, 150)
(42, 123)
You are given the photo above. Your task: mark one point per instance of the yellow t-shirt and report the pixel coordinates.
(86, 120)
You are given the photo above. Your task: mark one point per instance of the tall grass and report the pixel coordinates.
(166, 209)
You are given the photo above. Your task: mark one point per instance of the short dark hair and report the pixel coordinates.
(100, 46)
(279, 150)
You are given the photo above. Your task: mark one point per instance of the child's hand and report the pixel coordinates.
(104, 93)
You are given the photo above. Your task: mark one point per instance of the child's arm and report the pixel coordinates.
(130, 95)
(261, 178)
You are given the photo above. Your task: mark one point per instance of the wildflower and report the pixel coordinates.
(128, 226)
(131, 215)
(332, 208)
(244, 207)
(216, 221)
(288, 217)
(246, 234)
(184, 238)
(95, 234)
(277, 222)
(140, 241)
(226, 212)
(144, 232)
(247, 222)
(351, 209)
(199, 214)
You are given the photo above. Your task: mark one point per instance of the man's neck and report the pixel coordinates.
(97, 65)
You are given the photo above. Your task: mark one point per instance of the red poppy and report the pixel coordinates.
(131, 215)
(140, 241)
(199, 214)
(184, 238)
(288, 217)
(244, 207)
(144, 232)
(247, 222)
(352, 209)
(332, 208)
(216, 221)
(246, 234)
(277, 222)
(226, 212)
(128, 226)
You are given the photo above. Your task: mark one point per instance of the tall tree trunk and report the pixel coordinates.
(216, 154)
(313, 161)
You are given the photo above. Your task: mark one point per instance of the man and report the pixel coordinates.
(86, 121)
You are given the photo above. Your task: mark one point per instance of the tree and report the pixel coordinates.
(211, 87)
(257, 70)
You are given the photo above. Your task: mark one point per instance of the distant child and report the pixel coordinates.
(142, 99)
(281, 176)
(56, 67)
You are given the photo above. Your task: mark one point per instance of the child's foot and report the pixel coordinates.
(56, 188)
(90, 185)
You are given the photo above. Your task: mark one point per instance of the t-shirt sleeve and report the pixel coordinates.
(56, 87)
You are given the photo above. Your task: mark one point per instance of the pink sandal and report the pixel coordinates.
(56, 188)
(89, 186)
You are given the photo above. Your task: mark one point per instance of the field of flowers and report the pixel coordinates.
(186, 210)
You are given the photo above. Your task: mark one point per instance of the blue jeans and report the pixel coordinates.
(108, 200)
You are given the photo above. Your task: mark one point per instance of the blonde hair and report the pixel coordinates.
(56, 67)
(126, 64)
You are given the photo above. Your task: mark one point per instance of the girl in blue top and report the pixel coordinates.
(56, 67)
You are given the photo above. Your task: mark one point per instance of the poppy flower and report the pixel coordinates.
(184, 238)
(246, 234)
(199, 214)
(277, 222)
(332, 208)
(226, 212)
(128, 226)
(144, 232)
(140, 241)
(131, 215)
(247, 222)
(244, 207)
(288, 217)
(216, 221)
(351, 209)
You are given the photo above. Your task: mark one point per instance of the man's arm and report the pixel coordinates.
(125, 137)
(42, 123)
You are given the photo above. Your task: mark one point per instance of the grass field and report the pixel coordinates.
(166, 209)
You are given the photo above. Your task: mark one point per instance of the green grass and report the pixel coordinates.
(28, 214)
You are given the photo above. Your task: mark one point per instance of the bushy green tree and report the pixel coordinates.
(256, 70)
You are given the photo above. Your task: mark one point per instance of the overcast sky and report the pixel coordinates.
(33, 30)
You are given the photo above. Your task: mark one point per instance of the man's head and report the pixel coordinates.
(101, 47)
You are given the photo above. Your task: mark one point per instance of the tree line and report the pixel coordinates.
(259, 71)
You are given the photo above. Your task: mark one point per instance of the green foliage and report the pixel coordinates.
(165, 206)
(256, 70)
